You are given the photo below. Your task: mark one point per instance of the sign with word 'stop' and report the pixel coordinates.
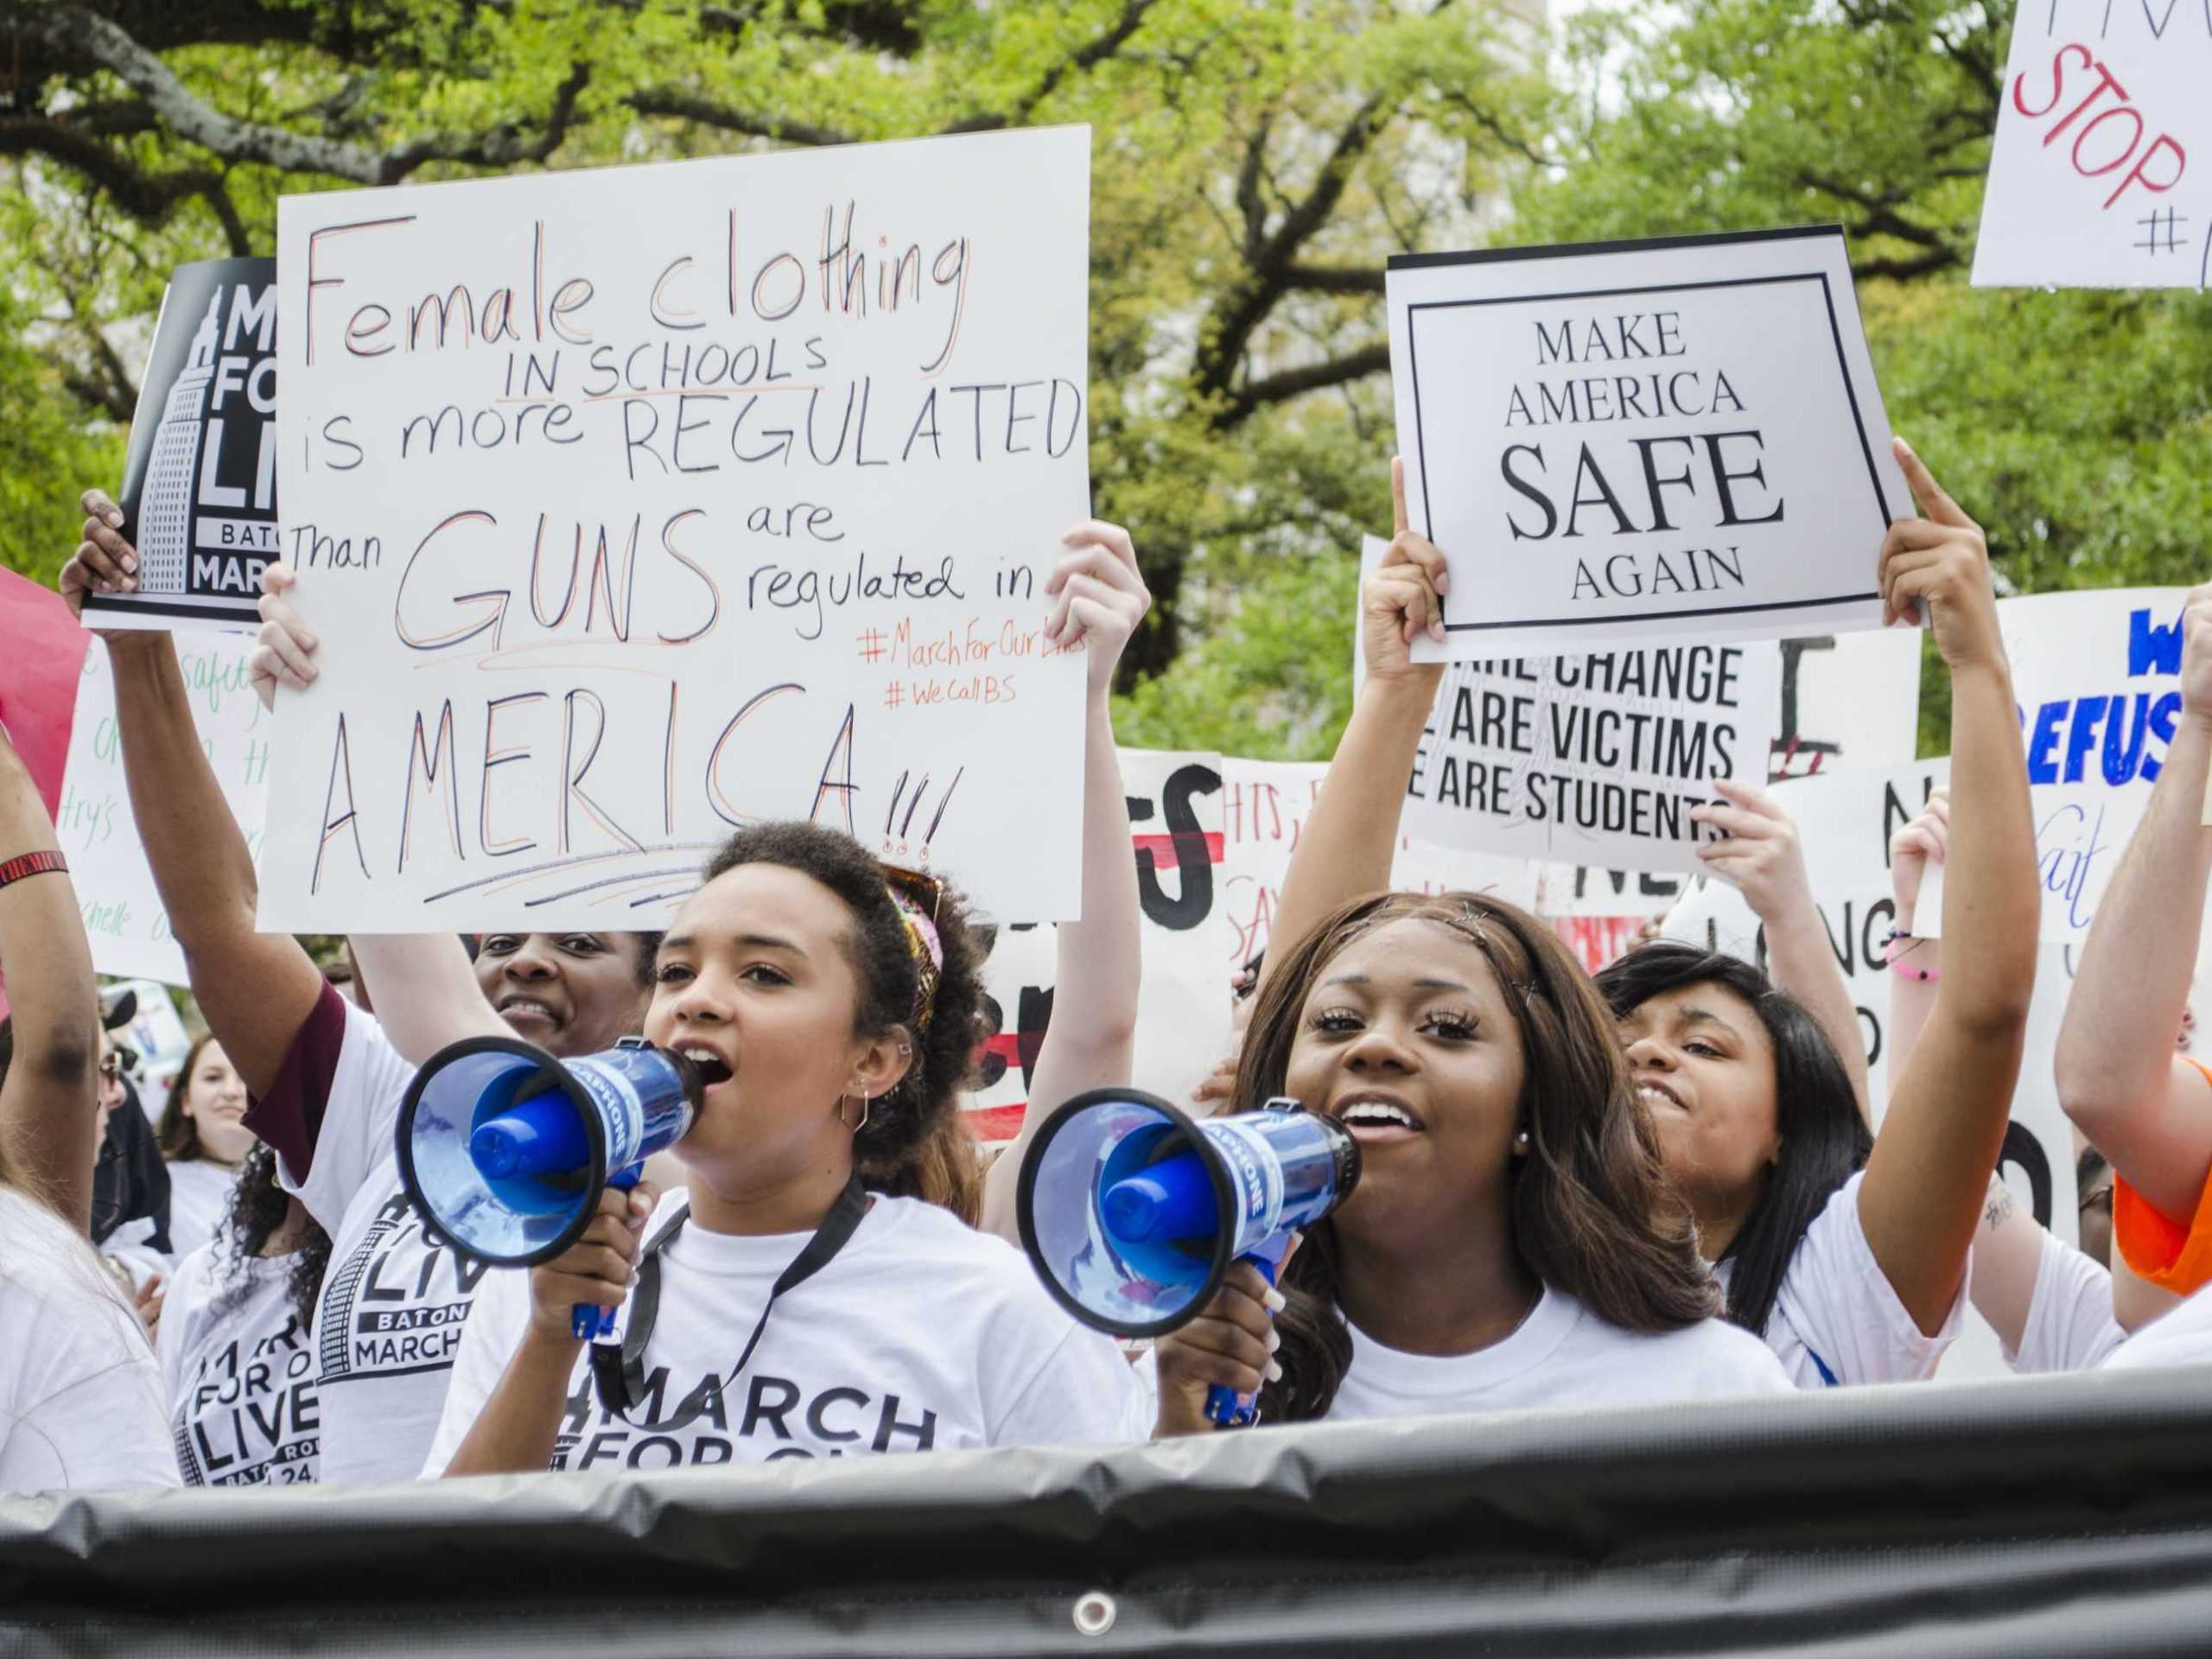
(638, 505)
(2100, 121)
(1678, 439)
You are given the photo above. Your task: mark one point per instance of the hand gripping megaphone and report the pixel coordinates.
(1132, 1211)
(505, 1149)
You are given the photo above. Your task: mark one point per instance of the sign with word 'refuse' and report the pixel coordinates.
(1642, 441)
(633, 506)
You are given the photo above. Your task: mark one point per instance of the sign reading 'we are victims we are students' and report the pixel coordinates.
(1642, 441)
(637, 504)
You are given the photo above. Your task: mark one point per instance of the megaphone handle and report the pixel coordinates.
(586, 1322)
(1225, 1406)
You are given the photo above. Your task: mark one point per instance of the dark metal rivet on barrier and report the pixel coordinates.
(1094, 1614)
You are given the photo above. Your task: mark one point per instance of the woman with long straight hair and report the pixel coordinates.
(1512, 1240)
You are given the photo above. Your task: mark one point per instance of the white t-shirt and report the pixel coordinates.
(2070, 1327)
(200, 1197)
(396, 1296)
(81, 1396)
(1837, 1319)
(239, 1369)
(2180, 1337)
(1561, 1354)
(920, 1334)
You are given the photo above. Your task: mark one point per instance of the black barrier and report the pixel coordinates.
(2068, 1518)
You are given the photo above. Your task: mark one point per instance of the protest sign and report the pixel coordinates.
(634, 505)
(2089, 186)
(1595, 760)
(1844, 822)
(2098, 677)
(1175, 820)
(1265, 806)
(1674, 439)
(198, 494)
(124, 916)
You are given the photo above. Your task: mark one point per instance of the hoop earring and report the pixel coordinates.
(867, 1105)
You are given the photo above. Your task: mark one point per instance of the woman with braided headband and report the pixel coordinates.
(831, 1004)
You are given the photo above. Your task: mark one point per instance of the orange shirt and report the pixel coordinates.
(2172, 1254)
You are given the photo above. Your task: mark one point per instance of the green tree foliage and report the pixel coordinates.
(2074, 425)
(1253, 163)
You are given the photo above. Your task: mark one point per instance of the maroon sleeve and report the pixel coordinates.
(290, 1116)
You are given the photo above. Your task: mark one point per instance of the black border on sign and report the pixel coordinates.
(1626, 244)
(184, 610)
(1835, 334)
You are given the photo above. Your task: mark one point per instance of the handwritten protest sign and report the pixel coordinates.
(1645, 440)
(1265, 806)
(1175, 816)
(638, 504)
(123, 915)
(198, 494)
(2098, 677)
(1843, 821)
(2089, 179)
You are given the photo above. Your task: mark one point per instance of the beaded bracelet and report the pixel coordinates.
(23, 864)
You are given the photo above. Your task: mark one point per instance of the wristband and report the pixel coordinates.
(23, 864)
(1890, 953)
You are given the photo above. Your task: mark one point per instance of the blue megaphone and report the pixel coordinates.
(1132, 1211)
(505, 1149)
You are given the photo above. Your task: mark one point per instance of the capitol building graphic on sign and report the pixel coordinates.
(165, 507)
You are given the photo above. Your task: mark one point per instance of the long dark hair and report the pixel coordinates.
(1824, 1138)
(902, 1149)
(1594, 1214)
(177, 1132)
(258, 1207)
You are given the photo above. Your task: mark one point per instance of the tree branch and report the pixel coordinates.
(151, 198)
(687, 106)
(74, 30)
(1088, 56)
(1334, 279)
(1255, 395)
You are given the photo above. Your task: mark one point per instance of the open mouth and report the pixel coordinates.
(526, 1009)
(1377, 1118)
(1653, 1095)
(713, 1068)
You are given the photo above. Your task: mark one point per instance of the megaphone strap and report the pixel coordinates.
(618, 1370)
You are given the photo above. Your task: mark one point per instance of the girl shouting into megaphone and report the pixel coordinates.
(1512, 1240)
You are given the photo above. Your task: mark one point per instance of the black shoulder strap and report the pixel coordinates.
(618, 1371)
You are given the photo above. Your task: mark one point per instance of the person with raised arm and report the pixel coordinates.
(81, 1396)
(1858, 1274)
(2136, 1098)
(1512, 1240)
(324, 1078)
(1099, 597)
(2050, 1305)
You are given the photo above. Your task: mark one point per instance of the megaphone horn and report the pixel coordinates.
(505, 1149)
(1132, 1211)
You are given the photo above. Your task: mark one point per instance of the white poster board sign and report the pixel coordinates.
(2098, 675)
(1591, 760)
(634, 505)
(1643, 441)
(1265, 806)
(2089, 181)
(124, 916)
(1183, 1006)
